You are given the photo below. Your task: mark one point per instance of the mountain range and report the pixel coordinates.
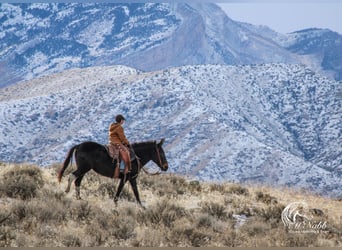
(234, 101)
(275, 124)
(39, 39)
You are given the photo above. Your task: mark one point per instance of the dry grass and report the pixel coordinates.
(34, 211)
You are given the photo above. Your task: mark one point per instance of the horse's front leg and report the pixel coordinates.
(120, 187)
(133, 182)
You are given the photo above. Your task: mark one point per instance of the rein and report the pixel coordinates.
(158, 172)
(141, 167)
(158, 154)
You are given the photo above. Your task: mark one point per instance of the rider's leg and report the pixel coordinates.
(126, 158)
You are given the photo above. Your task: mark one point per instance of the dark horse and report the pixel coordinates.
(91, 155)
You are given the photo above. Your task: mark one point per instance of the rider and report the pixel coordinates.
(119, 144)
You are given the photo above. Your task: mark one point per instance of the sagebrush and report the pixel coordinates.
(34, 211)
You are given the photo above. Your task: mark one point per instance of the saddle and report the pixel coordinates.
(132, 155)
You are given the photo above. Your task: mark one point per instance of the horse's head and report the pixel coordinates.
(159, 157)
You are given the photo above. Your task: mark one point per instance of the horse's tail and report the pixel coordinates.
(66, 163)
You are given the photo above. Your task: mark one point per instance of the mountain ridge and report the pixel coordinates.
(275, 124)
(41, 39)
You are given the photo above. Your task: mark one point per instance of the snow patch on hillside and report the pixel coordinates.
(274, 124)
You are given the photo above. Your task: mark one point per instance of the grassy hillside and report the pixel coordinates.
(35, 211)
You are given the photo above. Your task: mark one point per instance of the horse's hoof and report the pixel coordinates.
(115, 212)
(142, 206)
(116, 199)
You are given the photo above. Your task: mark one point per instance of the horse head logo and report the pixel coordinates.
(294, 213)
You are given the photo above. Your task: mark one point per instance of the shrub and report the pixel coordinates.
(177, 180)
(163, 213)
(195, 186)
(145, 181)
(245, 209)
(215, 209)
(299, 240)
(179, 184)
(44, 212)
(106, 226)
(47, 232)
(265, 198)
(239, 190)
(234, 238)
(122, 227)
(167, 186)
(4, 216)
(107, 188)
(32, 213)
(270, 214)
(80, 210)
(7, 235)
(217, 187)
(52, 218)
(189, 236)
(96, 236)
(54, 196)
(21, 182)
(204, 220)
(255, 227)
(20, 211)
(149, 238)
(71, 240)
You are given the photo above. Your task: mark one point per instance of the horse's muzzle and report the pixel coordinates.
(165, 166)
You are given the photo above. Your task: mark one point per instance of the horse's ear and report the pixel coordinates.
(161, 141)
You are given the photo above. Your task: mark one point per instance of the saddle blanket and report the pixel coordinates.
(131, 154)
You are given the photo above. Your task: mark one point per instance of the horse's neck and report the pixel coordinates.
(144, 153)
(144, 160)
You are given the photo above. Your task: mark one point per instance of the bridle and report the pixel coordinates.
(159, 160)
(158, 154)
(163, 166)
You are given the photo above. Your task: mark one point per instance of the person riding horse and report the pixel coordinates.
(118, 145)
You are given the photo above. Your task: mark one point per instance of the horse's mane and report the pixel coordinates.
(143, 144)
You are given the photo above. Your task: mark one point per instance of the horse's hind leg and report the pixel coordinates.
(71, 178)
(78, 187)
(76, 176)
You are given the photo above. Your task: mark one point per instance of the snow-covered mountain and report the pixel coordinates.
(274, 124)
(319, 49)
(39, 39)
(322, 44)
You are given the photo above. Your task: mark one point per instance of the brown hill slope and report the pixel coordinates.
(35, 211)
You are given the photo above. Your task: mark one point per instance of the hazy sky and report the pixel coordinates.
(287, 16)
